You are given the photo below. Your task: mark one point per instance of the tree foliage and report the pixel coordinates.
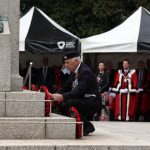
(86, 17)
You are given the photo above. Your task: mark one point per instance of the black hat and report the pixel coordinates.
(70, 55)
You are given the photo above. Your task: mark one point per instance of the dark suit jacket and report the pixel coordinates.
(143, 77)
(49, 80)
(63, 78)
(104, 82)
(112, 76)
(87, 84)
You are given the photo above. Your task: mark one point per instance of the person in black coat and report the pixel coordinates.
(80, 91)
(141, 73)
(45, 75)
(103, 78)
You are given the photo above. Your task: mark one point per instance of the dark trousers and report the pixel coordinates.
(86, 106)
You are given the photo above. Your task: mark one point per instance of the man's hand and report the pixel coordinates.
(57, 97)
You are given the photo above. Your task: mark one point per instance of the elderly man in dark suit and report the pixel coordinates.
(80, 91)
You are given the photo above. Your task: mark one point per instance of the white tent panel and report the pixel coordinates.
(123, 38)
(25, 22)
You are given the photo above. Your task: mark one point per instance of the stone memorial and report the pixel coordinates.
(22, 112)
(5, 57)
(11, 9)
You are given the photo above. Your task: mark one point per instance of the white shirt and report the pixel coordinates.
(77, 68)
(65, 70)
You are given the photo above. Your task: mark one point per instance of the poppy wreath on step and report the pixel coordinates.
(47, 97)
(73, 112)
(34, 88)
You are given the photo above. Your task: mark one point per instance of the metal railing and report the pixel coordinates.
(28, 75)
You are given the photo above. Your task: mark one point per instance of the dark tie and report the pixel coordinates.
(44, 72)
(140, 78)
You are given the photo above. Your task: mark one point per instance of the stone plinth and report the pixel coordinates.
(11, 9)
(25, 104)
(5, 62)
(22, 113)
(2, 104)
(22, 128)
(64, 128)
(37, 128)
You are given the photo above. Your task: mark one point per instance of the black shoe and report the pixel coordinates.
(88, 128)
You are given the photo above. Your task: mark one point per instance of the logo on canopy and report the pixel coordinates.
(61, 44)
(70, 44)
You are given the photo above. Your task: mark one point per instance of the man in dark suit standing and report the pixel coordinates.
(80, 91)
(45, 75)
(141, 73)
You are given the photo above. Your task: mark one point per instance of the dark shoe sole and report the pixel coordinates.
(89, 130)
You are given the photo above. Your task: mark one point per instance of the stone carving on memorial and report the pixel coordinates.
(1, 25)
(4, 24)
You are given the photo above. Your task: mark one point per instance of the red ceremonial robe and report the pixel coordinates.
(125, 86)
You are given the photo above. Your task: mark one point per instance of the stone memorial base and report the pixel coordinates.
(54, 127)
(22, 104)
(22, 113)
(22, 117)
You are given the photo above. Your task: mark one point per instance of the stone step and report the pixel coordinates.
(107, 136)
(54, 127)
(25, 108)
(22, 104)
(2, 104)
(47, 145)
